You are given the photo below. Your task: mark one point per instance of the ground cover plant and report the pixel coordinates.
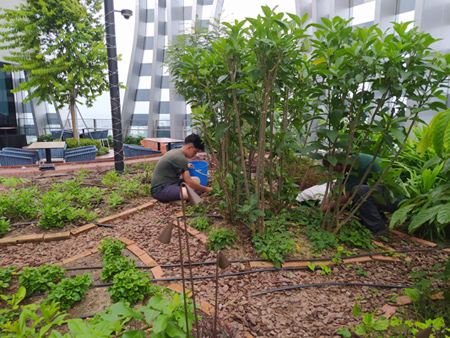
(71, 201)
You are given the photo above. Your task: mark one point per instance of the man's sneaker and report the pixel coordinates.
(380, 232)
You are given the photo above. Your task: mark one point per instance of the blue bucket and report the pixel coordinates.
(200, 170)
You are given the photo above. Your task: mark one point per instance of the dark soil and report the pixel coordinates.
(317, 311)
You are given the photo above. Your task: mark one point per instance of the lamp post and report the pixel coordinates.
(116, 116)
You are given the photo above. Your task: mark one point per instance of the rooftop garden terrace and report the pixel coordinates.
(261, 91)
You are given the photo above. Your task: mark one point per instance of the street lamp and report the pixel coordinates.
(116, 116)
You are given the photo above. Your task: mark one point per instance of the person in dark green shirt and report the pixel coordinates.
(173, 169)
(372, 210)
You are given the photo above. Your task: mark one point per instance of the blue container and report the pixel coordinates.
(200, 170)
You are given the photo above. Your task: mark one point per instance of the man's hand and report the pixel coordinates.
(190, 165)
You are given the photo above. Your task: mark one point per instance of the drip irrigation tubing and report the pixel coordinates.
(49, 176)
(159, 222)
(332, 284)
(19, 224)
(263, 260)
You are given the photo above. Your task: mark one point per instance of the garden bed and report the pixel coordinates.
(316, 311)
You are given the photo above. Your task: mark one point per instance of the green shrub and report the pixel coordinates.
(111, 179)
(41, 279)
(355, 235)
(20, 204)
(274, 245)
(69, 291)
(130, 286)
(114, 266)
(103, 151)
(133, 140)
(115, 200)
(72, 143)
(200, 223)
(45, 138)
(219, 238)
(130, 188)
(319, 238)
(6, 275)
(111, 247)
(56, 210)
(4, 226)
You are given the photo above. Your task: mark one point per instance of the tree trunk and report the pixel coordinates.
(73, 114)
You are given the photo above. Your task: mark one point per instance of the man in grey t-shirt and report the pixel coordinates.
(173, 165)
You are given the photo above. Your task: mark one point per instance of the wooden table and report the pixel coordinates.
(47, 146)
(164, 140)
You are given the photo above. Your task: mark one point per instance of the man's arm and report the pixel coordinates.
(327, 205)
(192, 183)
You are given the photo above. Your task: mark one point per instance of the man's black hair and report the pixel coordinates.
(195, 140)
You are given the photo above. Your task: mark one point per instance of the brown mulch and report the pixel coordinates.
(306, 312)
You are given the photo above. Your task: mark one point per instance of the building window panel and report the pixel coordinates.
(143, 95)
(165, 82)
(146, 69)
(188, 13)
(164, 108)
(406, 6)
(150, 15)
(148, 44)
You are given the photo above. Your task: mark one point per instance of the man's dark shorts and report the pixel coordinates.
(169, 192)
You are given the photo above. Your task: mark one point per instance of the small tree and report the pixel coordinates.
(60, 46)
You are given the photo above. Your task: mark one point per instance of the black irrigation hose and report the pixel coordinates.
(331, 284)
(49, 176)
(19, 224)
(159, 222)
(258, 260)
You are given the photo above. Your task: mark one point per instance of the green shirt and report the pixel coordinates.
(168, 169)
(360, 168)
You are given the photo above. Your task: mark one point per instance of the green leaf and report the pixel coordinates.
(160, 323)
(381, 324)
(356, 310)
(134, 334)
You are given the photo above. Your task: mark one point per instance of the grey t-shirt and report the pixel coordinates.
(168, 169)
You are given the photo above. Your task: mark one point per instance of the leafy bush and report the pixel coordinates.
(319, 238)
(69, 291)
(304, 172)
(45, 138)
(219, 238)
(355, 235)
(130, 188)
(103, 151)
(4, 226)
(200, 223)
(426, 177)
(6, 275)
(111, 247)
(111, 179)
(274, 245)
(112, 267)
(20, 204)
(41, 279)
(133, 140)
(373, 326)
(130, 286)
(115, 200)
(82, 142)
